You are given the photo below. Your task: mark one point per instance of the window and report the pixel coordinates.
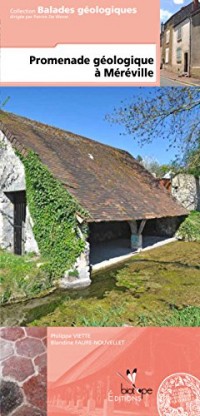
(179, 34)
(168, 36)
(167, 55)
(178, 55)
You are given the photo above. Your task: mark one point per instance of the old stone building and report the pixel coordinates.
(181, 45)
(181, 41)
(195, 43)
(186, 189)
(125, 204)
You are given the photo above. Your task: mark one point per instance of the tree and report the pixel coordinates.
(4, 103)
(153, 166)
(192, 160)
(171, 114)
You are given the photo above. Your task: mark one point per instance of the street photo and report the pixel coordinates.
(180, 43)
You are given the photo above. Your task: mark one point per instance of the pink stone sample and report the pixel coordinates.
(41, 361)
(6, 349)
(45, 341)
(18, 368)
(12, 334)
(24, 371)
(29, 347)
(37, 332)
(28, 411)
(35, 392)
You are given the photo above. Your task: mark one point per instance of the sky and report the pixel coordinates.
(169, 7)
(82, 110)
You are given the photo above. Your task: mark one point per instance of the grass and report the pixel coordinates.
(160, 287)
(190, 228)
(20, 277)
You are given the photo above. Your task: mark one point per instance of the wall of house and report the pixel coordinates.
(186, 189)
(195, 45)
(12, 179)
(183, 43)
(167, 47)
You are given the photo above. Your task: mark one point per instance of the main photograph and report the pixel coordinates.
(100, 206)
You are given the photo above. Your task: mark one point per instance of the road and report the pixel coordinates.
(167, 82)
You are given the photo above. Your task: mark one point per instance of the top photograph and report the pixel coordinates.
(166, 53)
(180, 42)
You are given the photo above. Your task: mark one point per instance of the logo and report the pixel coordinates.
(179, 395)
(132, 389)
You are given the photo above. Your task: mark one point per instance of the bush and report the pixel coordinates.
(190, 228)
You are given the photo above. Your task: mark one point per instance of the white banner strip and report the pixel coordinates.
(80, 63)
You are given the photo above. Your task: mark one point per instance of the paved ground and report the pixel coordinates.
(111, 252)
(23, 371)
(173, 80)
(166, 82)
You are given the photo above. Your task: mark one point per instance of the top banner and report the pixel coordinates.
(80, 43)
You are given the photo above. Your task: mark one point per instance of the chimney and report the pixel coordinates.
(195, 4)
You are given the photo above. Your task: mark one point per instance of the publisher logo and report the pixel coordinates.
(179, 395)
(130, 387)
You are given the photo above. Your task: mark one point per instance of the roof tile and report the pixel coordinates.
(111, 186)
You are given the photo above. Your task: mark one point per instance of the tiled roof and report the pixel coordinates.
(109, 183)
(181, 15)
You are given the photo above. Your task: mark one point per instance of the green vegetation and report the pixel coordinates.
(176, 114)
(157, 287)
(20, 277)
(192, 159)
(53, 212)
(190, 228)
(188, 316)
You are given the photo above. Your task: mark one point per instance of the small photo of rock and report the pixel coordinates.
(23, 370)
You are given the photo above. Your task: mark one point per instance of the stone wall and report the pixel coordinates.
(12, 179)
(107, 231)
(186, 189)
(23, 371)
(195, 45)
(162, 227)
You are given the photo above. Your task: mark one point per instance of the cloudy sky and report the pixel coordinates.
(169, 7)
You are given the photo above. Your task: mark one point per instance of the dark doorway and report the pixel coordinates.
(186, 61)
(18, 200)
(19, 220)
